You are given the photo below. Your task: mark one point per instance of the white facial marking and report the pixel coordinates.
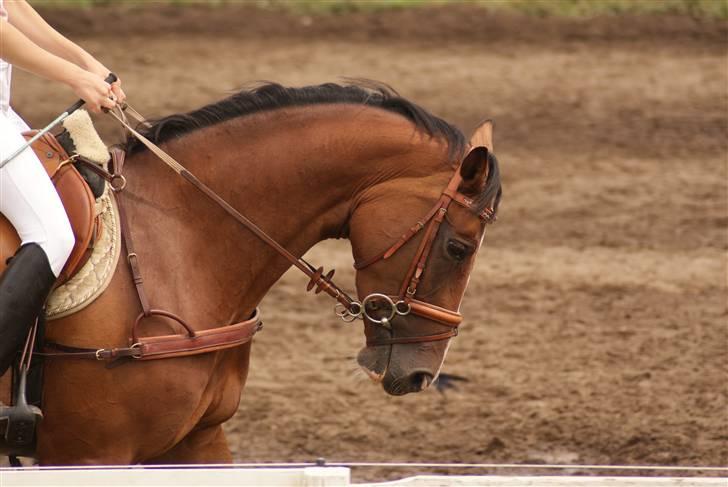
(374, 376)
(447, 347)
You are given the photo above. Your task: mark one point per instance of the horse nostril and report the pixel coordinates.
(420, 380)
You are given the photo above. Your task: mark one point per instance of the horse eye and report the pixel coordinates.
(457, 250)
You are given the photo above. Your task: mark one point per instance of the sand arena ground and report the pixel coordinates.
(595, 324)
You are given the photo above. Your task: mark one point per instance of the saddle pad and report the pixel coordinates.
(95, 275)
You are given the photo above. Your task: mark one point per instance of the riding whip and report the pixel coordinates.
(109, 79)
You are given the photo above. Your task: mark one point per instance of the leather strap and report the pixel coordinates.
(93, 167)
(166, 346)
(412, 278)
(66, 351)
(435, 313)
(413, 339)
(203, 341)
(117, 159)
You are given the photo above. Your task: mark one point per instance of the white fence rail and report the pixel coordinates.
(308, 477)
(182, 477)
(554, 481)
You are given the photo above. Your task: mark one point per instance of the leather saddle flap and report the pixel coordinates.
(75, 195)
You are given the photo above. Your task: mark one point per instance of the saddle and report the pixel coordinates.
(76, 196)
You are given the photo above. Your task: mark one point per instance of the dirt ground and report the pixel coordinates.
(596, 318)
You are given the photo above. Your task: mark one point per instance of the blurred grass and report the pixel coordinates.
(716, 9)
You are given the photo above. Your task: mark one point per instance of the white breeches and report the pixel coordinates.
(29, 200)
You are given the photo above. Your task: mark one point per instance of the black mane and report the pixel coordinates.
(272, 96)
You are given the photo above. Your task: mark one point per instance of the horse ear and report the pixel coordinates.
(483, 135)
(474, 169)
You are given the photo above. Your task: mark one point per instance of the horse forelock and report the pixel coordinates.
(491, 195)
(273, 96)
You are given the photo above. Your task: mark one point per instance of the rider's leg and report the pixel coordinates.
(29, 201)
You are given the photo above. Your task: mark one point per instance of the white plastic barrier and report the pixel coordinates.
(157, 477)
(554, 481)
(309, 477)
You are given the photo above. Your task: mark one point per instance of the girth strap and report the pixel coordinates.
(167, 346)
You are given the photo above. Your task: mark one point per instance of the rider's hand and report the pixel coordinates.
(118, 92)
(92, 89)
(101, 70)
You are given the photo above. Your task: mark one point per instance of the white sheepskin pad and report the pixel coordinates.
(85, 138)
(96, 274)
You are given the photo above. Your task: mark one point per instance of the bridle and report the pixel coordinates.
(406, 302)
(347, 308)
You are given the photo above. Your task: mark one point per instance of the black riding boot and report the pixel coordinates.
(24, 287)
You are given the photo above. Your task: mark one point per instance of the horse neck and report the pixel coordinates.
(295, 173)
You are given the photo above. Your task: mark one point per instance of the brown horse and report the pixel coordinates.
(305, 164)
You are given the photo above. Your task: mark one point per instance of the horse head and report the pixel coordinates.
(411, 292)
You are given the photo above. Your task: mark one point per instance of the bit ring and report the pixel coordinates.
(406, 308)
(348, 314)
(379, 321)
